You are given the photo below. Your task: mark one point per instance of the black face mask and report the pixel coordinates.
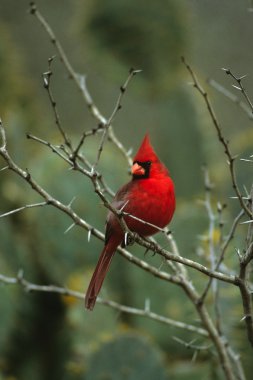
(146, 166)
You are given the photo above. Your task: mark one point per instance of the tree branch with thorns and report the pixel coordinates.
(177, 268)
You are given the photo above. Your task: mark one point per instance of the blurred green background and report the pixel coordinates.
(44, 336)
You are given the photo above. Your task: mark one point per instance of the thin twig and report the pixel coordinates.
(208, 324)
(8, 213)
(117, 107)
(31, 287)
(68, 210)
(240, 86)
(191, 345)
(79, 80)
(54, 148)
(47, 76)
(223, 251)
(221, 138)
(246, 295)
(217, 86)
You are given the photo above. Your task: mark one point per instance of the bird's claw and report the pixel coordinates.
(152, 247)
(128, 240)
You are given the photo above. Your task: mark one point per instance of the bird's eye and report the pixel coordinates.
(149, 163)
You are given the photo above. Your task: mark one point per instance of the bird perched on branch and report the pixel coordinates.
(149, 197)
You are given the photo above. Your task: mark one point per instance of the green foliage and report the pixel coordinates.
(134, 357)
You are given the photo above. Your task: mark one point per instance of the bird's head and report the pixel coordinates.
(146, 163)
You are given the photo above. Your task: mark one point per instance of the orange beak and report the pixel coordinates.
(137, 169)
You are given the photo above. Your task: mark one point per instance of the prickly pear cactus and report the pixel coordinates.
(127, 357)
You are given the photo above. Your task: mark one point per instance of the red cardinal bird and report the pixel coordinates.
(149, 196)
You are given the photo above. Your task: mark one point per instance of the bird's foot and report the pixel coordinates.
(128, 239)
(152, 247)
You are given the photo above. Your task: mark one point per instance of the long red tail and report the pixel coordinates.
(100, 272)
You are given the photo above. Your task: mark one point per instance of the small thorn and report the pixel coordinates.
(137, 71)
(246, 160)
(227, 71)
(238, 254)
(247, 222)
(242, 77)
(124, 205)
(50, 59)
(236, 87)
(6, 167)
(20, 275)
(69, 228)
(129, 152)
(147, 305)
(71, 202)
(219, 207)
(245, 317)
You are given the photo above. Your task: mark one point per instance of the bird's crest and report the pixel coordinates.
(146, 151)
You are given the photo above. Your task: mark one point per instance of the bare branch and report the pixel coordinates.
(191, 345)
(3, 138)
(79, 80)
(78, 221)
(208, 324)
(190, 263)
(31, 287)
(223, 251)
(23, 208)
(231, 96)
(54, 148)
(47, 76)
(245, 292)
(246, 295)
(117, 107)
(221, 138)
(240, 86)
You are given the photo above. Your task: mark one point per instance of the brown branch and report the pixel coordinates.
(79, 80)
(218, 87)
(109, 121)
(221, 138)
(78, 221)
(208, 324)
(67, 209)
(223, 251)
(8, 213)
(246, 294)
(47, 76)
(146, 312)
(240, 87)
(190, 263)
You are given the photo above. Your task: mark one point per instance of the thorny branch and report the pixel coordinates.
(246, 292)
(109, 121)
(79, 80)
(179, 279)
(218, 87)
(239, 86)
(224, 142)
(229, 361)
(246, 207)
(46, 82)
(146, 312)
(78, 221)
